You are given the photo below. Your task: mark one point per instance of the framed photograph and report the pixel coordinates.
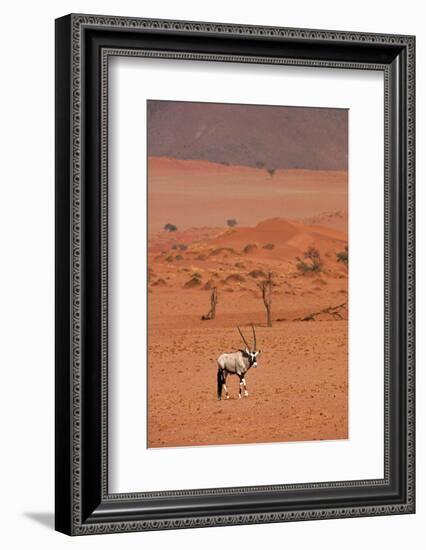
(234, 274)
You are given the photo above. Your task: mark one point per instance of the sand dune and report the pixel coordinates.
(268, 242)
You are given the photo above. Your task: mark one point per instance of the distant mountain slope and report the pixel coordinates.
(277, 137)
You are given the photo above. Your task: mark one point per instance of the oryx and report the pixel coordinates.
(237, 362)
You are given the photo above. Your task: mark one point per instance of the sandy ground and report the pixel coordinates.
(199, 193)
(299, 391)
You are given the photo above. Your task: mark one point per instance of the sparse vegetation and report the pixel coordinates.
(193, 282)
(268, 246)
(159, 282)
(221, 250)
(343, 256)
(232, 222)
(234, 277)
(213, 303)
(312, 262)
(170, 227)
(337, 313)
(249, 248)
(257, 273)
(271, 171)
(266, 289)
(182, 247)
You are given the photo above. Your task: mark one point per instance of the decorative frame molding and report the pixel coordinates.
(84, 43)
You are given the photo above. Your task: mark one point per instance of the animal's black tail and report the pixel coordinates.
(219, 383)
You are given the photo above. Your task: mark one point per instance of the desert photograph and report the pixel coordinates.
(247, 274)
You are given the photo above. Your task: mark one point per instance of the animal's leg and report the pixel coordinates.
(241, 386)
(245, 388)
(225, 376)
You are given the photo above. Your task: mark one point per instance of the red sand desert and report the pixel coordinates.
(300, 389)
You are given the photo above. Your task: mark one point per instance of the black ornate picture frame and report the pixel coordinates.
(84, 43)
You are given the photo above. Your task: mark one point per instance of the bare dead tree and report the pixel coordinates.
(266, 289)
(213, 303)
(336, 312)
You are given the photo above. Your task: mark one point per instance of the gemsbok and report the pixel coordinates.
(237, 362)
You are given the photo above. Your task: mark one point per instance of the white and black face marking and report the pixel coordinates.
(253, 358)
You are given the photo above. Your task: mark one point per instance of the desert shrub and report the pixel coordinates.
(170, 227)
(240, 265)
(232, 222)
(221, 250)
(271, 171)
(193, 282)
(179, 257)
(249, 248)
(268, 246)
(159, 282)
(312, 261)
(256, 273)
(234, 277)
(183, 247)
(174, 247)
(343, 256)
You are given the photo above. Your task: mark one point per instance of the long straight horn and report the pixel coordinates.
(244, 340)
(254, 337)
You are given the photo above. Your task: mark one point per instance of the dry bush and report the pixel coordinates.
(250, 248)
(159, 282)
(217, 251)
(234, 278)
(256, 273)
(312, 262)
(192, 283)
(343, 256)
(269, 246)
